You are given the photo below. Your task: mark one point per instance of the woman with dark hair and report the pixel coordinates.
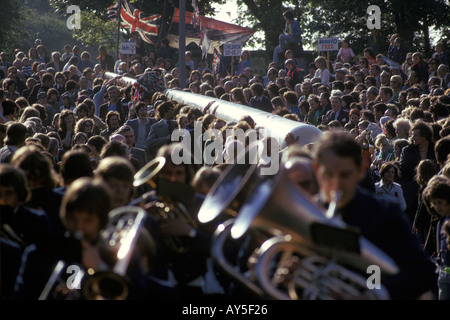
(81, 111)
(370, 56)
(422, 219)
(85, 125)
(387, 188)
(112, 124)
(436, 193)
(244, 62)
(421, 67)
(66, 128)
(42, 179)
(105, 59)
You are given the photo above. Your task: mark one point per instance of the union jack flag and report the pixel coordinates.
(135, 20)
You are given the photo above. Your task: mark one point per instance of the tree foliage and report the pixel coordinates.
(95, 31)
(13, 18)
(411, 19)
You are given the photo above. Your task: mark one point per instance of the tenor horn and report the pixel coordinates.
(118, 240)
(120, 236)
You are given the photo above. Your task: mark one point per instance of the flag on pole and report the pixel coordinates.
(216, 61)
(196, 15)
(204, 44)
(112, 11)
(147, 25)
(215, 32)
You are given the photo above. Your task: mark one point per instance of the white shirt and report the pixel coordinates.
(392, 192)
(324, 76)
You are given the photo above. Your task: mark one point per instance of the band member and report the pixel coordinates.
(84, 212)
(338, 166)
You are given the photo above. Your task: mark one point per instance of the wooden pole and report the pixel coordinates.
(182, 45)
(118, 29)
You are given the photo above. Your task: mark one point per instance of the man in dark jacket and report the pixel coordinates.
(421, 148)
(259, 100)
(338, 166)
(114, 104)
(337, 112)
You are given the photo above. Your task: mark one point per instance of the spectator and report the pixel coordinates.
(56, 62)
(105, 60)
(421, 148)
(337, 112)
(437, 192)
(294, 74)
(439, 53)
(345, 53)
(161, 132)
(259, 100)
(244, 62)
(395, 51)
(387, 188)
(292, 34)
(112, 124)
(15, 138)
(322, 72)
(421, 67)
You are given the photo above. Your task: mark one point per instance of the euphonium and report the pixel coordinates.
(159, 204)
(308, 254)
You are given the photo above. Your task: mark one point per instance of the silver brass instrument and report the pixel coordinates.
(161, 207)
(307, 255)
(119, 241)
(120, 236)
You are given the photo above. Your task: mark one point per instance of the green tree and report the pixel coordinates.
(12, 17)
(411, 19)
(95, 31)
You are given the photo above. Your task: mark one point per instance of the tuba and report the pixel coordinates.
(119, 241)
(158, 201)
(307, 254)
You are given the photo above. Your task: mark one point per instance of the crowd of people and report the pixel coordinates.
(72, 141)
